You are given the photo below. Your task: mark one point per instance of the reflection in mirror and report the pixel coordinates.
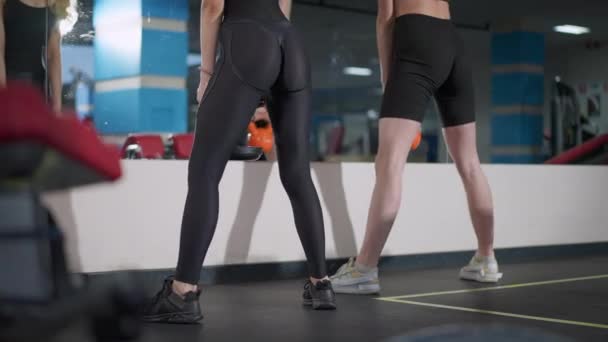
(540, 73)
(32, 31)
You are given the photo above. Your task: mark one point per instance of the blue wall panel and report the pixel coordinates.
(517, 159)
(168, 9)
(164, 53)
(117, 112)
(516, 89)
(518, 48)
(517, 129)
(165, 110)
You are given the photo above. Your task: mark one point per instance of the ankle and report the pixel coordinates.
(314, 280)
(485, 256)
(485, 252)
(364, 264)
(181, 289)
(364, 268)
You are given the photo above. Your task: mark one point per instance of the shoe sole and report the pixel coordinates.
(319, 305)
(174, 318)
(358, 289)
(476, 276)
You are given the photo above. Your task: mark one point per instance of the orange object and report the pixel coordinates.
(261, 137)
(417, 141)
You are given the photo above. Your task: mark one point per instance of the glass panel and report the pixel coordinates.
(540, 85)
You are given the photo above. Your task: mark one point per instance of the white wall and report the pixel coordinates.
(134, 223)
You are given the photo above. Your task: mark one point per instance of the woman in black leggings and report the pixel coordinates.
(260, 55)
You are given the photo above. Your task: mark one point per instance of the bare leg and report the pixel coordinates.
(462, 145)
(396, 136)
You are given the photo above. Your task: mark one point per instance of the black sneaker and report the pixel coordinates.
(320, 296)
(168, 307)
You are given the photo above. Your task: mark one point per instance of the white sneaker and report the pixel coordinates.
(483, 270)
(348, 279)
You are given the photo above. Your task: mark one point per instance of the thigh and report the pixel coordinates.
(461, 141)
(222, 119)
(408, 91)
(290, 113)
(395, 141)
(422, 59)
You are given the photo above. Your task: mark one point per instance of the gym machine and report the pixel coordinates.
(40, 300)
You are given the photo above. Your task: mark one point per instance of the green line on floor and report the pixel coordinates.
(498, 313)
(493, 288)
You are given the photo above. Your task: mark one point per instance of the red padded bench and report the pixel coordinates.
(144, 146)
(580, 151)
(182, 145)
(52, 152)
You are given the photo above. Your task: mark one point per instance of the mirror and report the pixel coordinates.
(540, 71)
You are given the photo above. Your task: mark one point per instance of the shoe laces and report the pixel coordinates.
(346, 268)
(321, 285)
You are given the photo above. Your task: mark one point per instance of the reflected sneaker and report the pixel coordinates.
(350, 279)
(320, 296)
(168, 307)
(481, 269)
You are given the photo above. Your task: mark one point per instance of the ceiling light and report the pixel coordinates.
(571, 29)
(357, 71)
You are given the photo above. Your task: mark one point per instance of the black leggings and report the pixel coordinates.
(256, 59)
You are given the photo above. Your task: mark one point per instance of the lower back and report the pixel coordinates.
(434, 8)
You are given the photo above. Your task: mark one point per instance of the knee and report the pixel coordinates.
(389, 168)
(201, 174)
(294, 177)
(469, 170)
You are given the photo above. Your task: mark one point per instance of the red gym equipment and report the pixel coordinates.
(38, 297)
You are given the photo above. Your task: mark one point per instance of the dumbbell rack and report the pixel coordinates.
(153, 146)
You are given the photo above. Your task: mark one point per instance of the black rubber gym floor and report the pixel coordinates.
(563, 297)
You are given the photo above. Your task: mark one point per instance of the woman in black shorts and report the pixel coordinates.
(260, 55)
(421, 56)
